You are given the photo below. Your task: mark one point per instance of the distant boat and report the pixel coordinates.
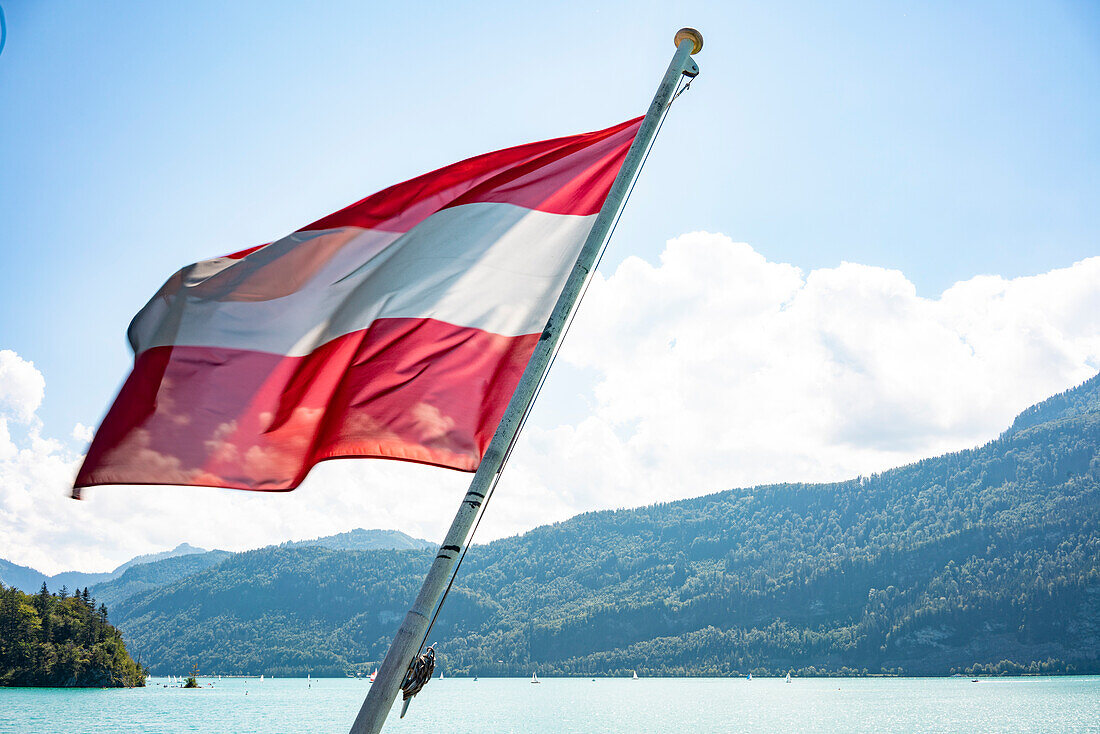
(261, 676)
(635, 675)
(373, 676)
(750, 676)
(441, 675)
(788, 677)
(535, 678)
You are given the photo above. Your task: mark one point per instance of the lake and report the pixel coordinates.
(293, 706)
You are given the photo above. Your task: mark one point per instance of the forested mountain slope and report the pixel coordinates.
(20, 577)
(153, 575)
(986, 559)
(360, 539)
(145, 576)
(29, 580)
(154, 570)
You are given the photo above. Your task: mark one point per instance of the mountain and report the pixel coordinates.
(155, 574)
(30, 580)
(154, 571)
(78, 579)
(75, 579)
(183, 549)
(985, 560)
(20, 577)
(360, 539)
(103, 584)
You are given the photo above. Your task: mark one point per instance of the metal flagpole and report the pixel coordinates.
(410, 636)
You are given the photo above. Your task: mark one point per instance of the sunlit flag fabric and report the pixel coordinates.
(396, 328)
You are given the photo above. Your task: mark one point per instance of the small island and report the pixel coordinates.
(61, 640)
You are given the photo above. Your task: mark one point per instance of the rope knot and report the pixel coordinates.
(420, 672)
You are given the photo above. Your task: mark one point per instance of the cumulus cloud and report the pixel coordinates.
(21, 386)
(718, 368)
(83, 433)
(709, 369)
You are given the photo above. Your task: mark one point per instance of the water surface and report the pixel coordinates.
(676, 705)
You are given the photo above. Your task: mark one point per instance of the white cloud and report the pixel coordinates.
(21, 386)
(713, 368)
(717, 368)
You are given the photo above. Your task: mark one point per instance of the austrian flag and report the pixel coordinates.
(396, 328)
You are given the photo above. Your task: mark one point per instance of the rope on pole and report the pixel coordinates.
(420, 672)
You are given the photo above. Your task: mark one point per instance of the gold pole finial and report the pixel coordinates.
(693, 35)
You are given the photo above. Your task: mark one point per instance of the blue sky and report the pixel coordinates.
(942, 139)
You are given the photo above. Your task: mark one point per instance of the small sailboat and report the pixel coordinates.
(788, 677)
(261, 676)
(750, 676)
(373, 676)
(535, 678)
(635, 675)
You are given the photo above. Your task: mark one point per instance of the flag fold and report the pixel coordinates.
(395, 328)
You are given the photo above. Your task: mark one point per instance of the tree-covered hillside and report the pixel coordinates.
(155, 574)
(360, 539)
(154, 571)
(61, 640)
(986, 559)
(21, 577)
(29, 579)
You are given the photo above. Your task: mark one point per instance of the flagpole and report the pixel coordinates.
(410, 636)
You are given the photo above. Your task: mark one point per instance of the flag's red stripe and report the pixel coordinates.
(570, 175)
(412, 389)
(239, 254)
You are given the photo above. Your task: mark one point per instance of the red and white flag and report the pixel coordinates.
(396, 328)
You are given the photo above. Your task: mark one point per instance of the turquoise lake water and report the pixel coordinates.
(293, 706)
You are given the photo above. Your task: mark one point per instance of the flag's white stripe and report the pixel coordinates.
(491, 266)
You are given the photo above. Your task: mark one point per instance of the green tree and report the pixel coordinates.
(48, 640)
